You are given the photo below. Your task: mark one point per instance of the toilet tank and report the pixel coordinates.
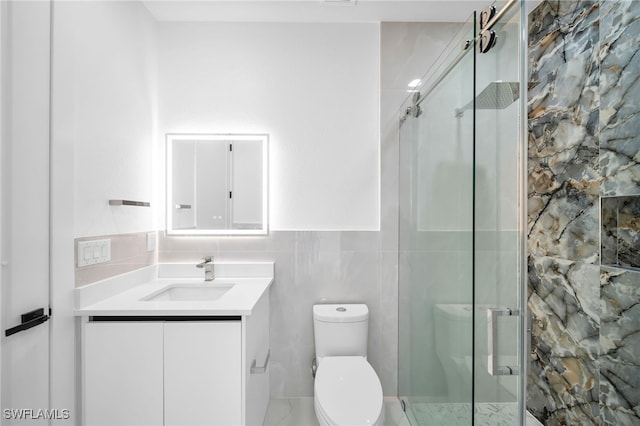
(340, 330)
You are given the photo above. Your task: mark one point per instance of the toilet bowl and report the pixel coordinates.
(347, 391)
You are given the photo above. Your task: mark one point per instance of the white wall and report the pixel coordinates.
(106, 81)
(313, 87)
(103, 145)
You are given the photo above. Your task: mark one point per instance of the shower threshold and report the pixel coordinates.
(459, 414)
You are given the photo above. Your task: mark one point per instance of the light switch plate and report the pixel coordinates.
(93, 252)
(151, 241)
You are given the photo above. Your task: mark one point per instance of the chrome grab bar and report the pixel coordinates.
(263, 369)
(492, 342)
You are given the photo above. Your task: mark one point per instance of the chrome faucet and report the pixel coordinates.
(207, 264)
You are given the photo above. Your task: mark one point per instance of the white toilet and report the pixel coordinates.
(347, 391)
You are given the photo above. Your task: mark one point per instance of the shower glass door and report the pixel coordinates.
(460, 232)
(497, 208)
(435, 232)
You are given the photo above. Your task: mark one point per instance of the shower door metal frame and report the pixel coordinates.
(487, 33)
(525, 336)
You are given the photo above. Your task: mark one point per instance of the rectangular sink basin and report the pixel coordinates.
(189, 292)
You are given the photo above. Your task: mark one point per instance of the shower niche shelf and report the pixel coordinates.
(620, 233)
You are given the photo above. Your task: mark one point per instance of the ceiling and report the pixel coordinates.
(314, 10)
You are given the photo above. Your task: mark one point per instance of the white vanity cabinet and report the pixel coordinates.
(176, 371)
(202, 376)
(122, 373)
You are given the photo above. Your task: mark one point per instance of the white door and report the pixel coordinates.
(24, 212)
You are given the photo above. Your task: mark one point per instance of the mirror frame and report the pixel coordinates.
(170, 137)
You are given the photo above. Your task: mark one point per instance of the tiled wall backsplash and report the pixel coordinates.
(128, 253)
(312, 267)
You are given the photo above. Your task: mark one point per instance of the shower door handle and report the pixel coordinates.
(492, 342)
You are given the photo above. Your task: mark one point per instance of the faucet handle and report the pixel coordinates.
(205, 260)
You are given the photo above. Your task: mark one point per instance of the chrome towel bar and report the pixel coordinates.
(129, 203)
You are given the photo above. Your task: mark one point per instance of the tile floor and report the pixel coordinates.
(300, 412)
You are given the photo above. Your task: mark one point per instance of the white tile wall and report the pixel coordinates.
(312, 267)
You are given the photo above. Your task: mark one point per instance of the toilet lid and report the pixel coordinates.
(348, 390)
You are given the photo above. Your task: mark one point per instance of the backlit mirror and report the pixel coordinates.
(217, 184)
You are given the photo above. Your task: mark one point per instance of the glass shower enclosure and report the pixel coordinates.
(461, 258)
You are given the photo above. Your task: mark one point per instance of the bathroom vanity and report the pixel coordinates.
(177, 350)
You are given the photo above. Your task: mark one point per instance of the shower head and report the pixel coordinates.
(497, 95)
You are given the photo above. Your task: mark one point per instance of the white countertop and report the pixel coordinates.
(238, 300)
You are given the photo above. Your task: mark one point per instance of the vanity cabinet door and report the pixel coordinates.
(122, 373)
(202, 373)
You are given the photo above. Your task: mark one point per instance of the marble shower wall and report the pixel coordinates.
(619, 97)
(584, 145)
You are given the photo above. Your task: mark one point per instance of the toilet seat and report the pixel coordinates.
(348, 392)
